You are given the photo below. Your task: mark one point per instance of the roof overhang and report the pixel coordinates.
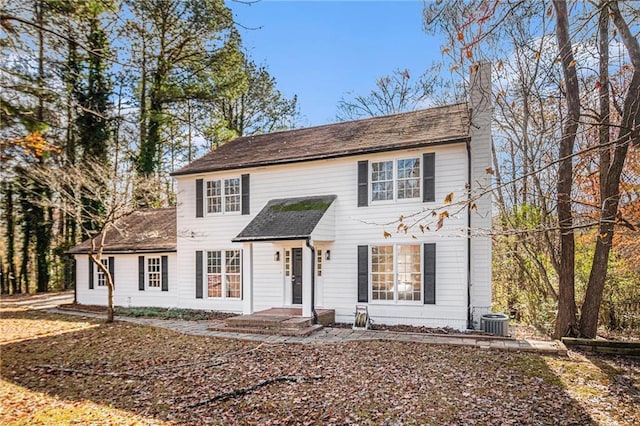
(286, 219)
(317, 157)
(130, 251)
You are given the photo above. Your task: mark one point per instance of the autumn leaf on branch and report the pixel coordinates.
(449, 198)
(441, 217)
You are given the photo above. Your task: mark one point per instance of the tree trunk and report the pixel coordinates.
(43, 243)
(10, 235)
(610, 188)
(26, 210)
(41, 224)
(566, 319)
(109, 298)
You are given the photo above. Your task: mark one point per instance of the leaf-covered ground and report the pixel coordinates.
(62, 370)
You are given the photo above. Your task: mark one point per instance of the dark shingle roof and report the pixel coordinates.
(286, 219)
(148, 230)
(407, 130)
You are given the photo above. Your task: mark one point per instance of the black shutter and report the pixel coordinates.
(112, 269)
(363, 183)
(199, 198)
(198, 274)
(429, 274)
(429, 177)
(245, 193)
(141, 273)
(165, 273)
(90, 273)
(363, 274)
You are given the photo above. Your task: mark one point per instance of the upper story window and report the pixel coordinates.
(395, 179)
(223, 195)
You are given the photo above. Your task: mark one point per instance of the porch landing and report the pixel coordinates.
(277, 321)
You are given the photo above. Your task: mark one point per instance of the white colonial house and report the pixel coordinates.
(309, 218)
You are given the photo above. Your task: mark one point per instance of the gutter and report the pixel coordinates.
(469, 313)
(314, 314)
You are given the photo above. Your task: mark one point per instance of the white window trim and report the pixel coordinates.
(395, 300)
(223, 274)
(222, 196)
(147, 278)
(395, 199)
(99, 273)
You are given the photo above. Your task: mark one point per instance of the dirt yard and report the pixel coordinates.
(59, 369)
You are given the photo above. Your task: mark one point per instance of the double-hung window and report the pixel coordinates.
(224, 279)
(223, 196)
(102, 277)
(396, 273)
(154, 278)
(395, 179)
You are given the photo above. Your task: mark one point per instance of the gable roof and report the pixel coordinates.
(433, 126)
(147, 230)
(286, 219)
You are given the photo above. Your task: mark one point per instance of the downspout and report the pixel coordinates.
(314, 314)
(73, 277)
(469, 313)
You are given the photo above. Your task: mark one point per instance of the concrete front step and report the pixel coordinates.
(268, 322)
(296, 332)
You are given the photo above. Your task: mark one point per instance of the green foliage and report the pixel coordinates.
(518, 288)
(304, 205)
(171, 313)
(181, 41)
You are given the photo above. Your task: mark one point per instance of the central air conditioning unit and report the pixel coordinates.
(497, 324)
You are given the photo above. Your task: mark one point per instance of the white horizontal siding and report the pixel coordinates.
(325, 230)
(353, 226)
(125, 280)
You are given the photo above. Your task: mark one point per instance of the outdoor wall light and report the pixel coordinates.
(276, 256)
(327, 255)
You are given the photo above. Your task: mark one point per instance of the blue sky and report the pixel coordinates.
(321, 50)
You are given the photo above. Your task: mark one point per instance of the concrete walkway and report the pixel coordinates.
(339, 335)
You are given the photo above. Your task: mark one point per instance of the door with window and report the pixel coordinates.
(296, 275)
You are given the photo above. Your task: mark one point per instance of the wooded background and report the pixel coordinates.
(141, 88)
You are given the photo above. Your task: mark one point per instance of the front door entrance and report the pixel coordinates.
(296, 275)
